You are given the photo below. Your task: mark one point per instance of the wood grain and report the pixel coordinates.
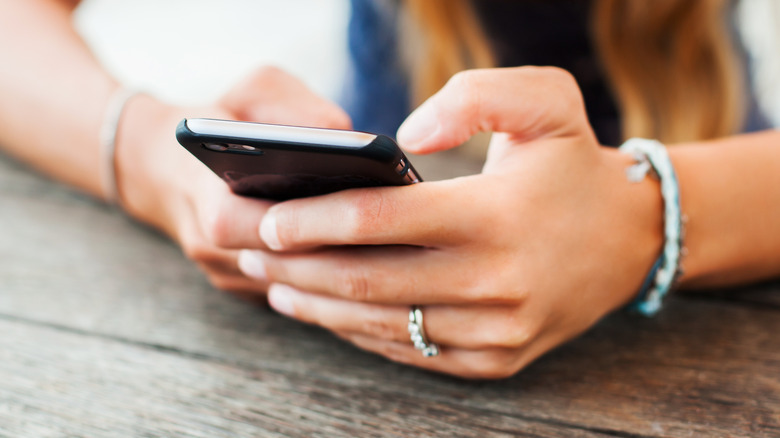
(109, 331)
(60, 383)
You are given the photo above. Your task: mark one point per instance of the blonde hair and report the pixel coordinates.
(672, 64)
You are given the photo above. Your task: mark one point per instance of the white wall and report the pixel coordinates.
(191, 51)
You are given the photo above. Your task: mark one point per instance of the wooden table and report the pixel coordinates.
(107, 330)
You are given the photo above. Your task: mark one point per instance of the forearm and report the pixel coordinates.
(54, 92)
(730, 191)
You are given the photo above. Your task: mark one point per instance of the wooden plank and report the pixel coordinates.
(57, 383)
(705, 367)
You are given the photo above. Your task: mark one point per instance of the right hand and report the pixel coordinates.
(162, 185)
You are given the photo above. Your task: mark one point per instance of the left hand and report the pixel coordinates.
(507, 264)
(167, 187)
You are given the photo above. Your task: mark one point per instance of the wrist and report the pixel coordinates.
(640, 209)
(145, 146)
(711, 184)
(158, 181)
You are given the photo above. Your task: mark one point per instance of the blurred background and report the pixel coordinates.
(191, 51)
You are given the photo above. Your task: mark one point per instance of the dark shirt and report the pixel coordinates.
(553, 33)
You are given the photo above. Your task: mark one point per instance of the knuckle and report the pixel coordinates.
(520, 294)
(563, 77)
(564, 83)
(288, 229)
(481, 289)
(394, 352)
(554, 78)
(516, 335)
(550, 74)
(352, 283)
(221, 283)
(555, 73)
(459, 80)
(363, 216)
(477, 291)
(276, 271)
(500, 281)
(379, 328)
(493, 366)
(467, 84)
(465, 81)
(507, 332)
(198, 251)
(218, 225)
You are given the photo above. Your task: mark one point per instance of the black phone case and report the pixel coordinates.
(280, 170)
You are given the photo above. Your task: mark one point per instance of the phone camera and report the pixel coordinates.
(233, 148)
(219, 147)
(244, 149)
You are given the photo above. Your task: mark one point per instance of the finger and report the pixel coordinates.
(236, 283)
(220, 263)
(221, 268)
(481, 364)
(400, 275)
(410, 215)
(231, 221)
(216, 260)
(471, 328)
(271, 95)
(300, 111)
(528, 102)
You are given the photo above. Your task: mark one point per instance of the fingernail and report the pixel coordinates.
(251, 264)
(418, 127)
(268, 231)
(280, 297)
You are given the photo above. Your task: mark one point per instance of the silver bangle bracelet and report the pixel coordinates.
(108, 135)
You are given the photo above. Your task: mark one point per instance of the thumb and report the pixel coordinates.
(526, 102)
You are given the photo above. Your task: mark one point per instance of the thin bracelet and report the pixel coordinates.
(665, 271)
(108, 135)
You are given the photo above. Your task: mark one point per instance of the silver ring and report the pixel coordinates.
(417, 333)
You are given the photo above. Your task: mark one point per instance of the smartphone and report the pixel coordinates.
(284, 162)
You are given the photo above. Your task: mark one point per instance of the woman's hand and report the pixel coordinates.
(506, 264)
(161, 184)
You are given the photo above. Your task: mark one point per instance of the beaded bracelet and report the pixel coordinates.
(652, 154)
(108, 131)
